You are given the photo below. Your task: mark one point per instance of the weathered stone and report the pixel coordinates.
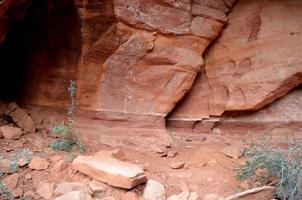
(21, 118)
(154, 190)
(5, 166)
(75, 195)
(137, 64)
(96, 187)
(38, 163)
(172, 154)
(17, 192)
(11, 181)
(233, 151)
(10, 132)
(157, 17)
(67, 187)
(212, 196)
(181, 196)
(238, 76)
(105, 168)
(205, 11)
(45, 189)
(205, 27)
(261, 193)
(176, 165)
(131, 196)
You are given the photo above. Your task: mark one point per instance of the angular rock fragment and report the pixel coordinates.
(233, 151)
(10, 132)
(38, 163)
(21, 118)
(154, 190)
(45, 189)
(75, 195)
(67, 187)
(105, 168)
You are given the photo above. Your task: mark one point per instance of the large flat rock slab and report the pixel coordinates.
(105, 168)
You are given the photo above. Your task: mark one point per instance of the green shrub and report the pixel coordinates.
(5, 192)
(268, 162)
(65, 130)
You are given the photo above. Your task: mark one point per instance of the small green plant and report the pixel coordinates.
(268, 162)
(5, 192)
(65, 130)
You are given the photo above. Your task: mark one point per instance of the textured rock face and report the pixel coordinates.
(255, 61)
(10, 11)
(135, 60)
(138, 56)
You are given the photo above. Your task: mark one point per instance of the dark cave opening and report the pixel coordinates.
(36, 45)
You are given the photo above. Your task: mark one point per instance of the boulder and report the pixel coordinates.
(105, 168)
(154, 190)
(10, 132)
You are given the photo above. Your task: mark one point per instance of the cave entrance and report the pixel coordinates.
(42, 48)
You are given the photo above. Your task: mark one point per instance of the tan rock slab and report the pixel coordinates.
(106, 168)
(38, 163)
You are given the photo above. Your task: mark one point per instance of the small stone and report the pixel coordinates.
(56, 158)
(45, 189)
(11, 181)
(96, 187)
(75, 195)
(172, 154)
(38, 163)
(212, 197)
(189, 147)
(131, 196)
(67, 187)
(28, 176)
(108, 198)
(157, 149)
(12, 133)
(193, 196)
(181, 196)
(22, 162)
(17, 192)
(233, 151)
(58, 166)
(176, 165)
(154, 190)
(29, 195)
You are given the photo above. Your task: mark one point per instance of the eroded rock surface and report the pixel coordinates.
(255, 61)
